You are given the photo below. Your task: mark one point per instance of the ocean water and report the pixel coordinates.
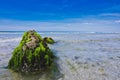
(82, 55)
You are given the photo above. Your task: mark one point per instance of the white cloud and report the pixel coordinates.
(111, 14)
(65, 25)
(117, 21)
(88, 23)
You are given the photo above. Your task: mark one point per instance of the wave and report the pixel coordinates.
(10, 40)
(59, 32)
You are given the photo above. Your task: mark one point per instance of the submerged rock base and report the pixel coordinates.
(32, 54)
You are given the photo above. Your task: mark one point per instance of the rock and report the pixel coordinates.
(24, 48)
(31, 45)
(76, 57)
(48, 40)
(32, 54)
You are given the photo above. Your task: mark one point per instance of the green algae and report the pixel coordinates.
(32, 54)
(49, 40)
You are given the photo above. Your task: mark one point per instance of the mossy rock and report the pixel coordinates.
(32, 54)
(48, 40)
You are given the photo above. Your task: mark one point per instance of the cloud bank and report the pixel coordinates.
(77, 24)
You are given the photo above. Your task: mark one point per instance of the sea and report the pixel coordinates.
(81, 55)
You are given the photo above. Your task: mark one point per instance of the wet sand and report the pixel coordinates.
(89, 56)
(80, 57)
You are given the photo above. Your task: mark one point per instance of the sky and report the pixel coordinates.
(60, 15)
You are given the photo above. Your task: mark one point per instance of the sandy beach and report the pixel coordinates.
(81, 56)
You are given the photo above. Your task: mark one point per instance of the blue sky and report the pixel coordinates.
(60, 15)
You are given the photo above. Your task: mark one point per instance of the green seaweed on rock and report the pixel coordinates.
(32, 54)
(49, 40)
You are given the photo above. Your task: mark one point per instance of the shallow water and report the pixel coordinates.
(82, 56)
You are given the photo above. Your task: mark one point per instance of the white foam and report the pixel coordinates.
(10, 40)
